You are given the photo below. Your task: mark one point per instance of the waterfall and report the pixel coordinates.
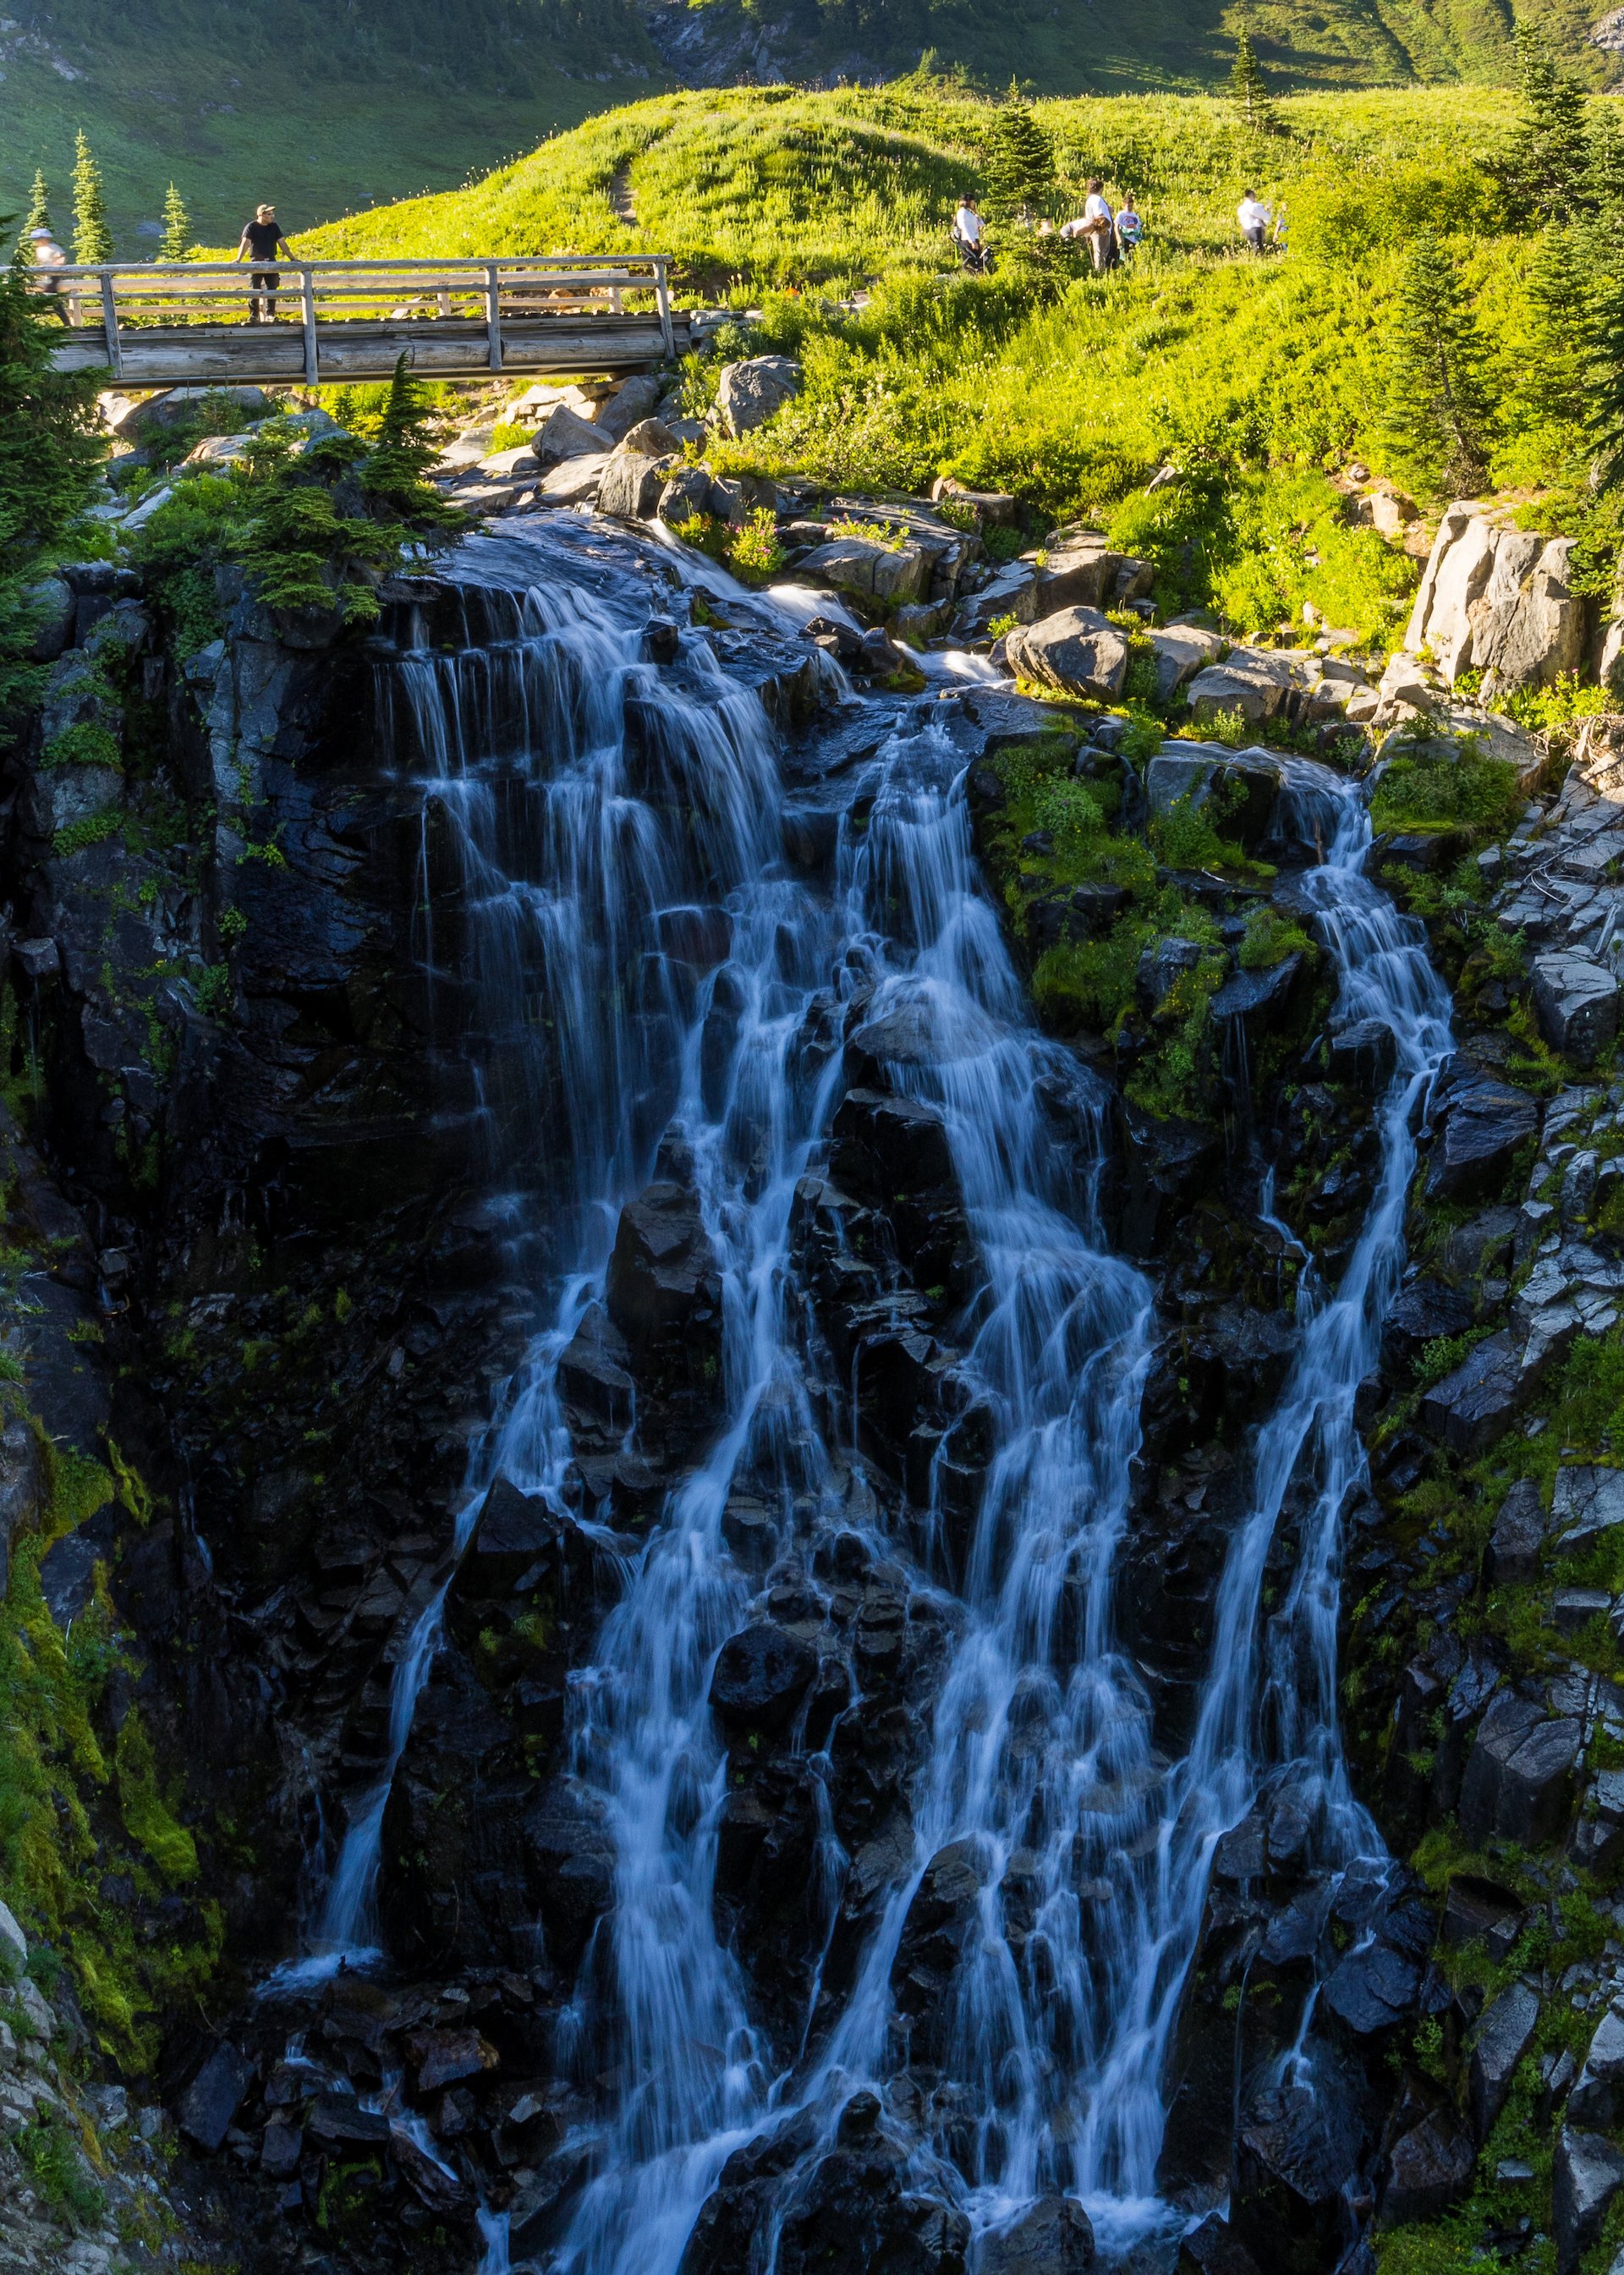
(581, 798)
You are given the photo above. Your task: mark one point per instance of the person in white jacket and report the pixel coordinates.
(1254, 217)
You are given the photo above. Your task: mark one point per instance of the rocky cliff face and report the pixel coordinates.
(297, 1174)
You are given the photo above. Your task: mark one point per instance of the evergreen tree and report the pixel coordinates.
(177, 227)
(1604, 176)
(92, 240)
(395, 472)
(1020, 160)
(39, 206)
(1436, 407)
(1548, 167)
(49, 455)
(1604, 333)
(1249, 87)
(1555, 385)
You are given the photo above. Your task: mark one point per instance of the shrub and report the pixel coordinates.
(1185, 838)
(85, 744)
(1442, 785)
(1270, 938)
(755, 550)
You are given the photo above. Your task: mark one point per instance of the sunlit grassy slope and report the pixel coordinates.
(771, 185)
(1069, 392)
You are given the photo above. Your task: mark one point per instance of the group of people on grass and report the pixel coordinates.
(1111, 238)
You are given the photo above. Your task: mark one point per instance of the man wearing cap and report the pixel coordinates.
(261, 241)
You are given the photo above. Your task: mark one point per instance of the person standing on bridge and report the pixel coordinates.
(261, 241)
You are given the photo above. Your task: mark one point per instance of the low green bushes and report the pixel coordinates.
(1443, 785)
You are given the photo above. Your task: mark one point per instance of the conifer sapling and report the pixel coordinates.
(1020, 162)
(1249, 87)
(176, 239)
(1437, 408)
(39, 206)
(93, 239)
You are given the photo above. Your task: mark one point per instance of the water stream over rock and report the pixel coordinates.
(756, 975)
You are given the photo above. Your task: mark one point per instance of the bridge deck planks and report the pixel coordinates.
(187, 355)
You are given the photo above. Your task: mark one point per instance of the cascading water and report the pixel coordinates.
(574, 845)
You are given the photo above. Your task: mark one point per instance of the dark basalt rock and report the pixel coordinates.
(737, 2209)
(856, 2212)
(1518, 1540)
(1428, 2168)
(1363, 1054)
(938, 1919)
(212, 2100)
(1504, 2035)
(1469, 1409)
(1261, 1002)
(1519, 1777)
(1480, 1125)
(1214, 2248)
(761, 1676)
(569, 1860)
(1427, 1310)
(1296, 2162)
(663, 1295)
(1053, 2237)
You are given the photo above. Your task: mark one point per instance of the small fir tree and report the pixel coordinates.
(93, 239)
(50, 457)
(1020, 160)
(1555, 386)
(395, 472)
(1436, 408)
(39, 206)
(1249, 87)
(1604, 406)
(1548, 167)
(176, 239)
(1604, 176)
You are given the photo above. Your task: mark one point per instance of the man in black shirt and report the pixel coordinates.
(261, 241)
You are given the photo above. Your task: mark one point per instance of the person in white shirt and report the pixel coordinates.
(1099, 226)
(970, 234)
(49, 256)
(1254, 218)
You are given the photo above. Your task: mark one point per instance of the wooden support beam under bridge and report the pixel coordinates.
(189, 324)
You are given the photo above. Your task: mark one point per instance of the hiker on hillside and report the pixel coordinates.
(970, 239)
(48, 256)
(1129, 228)
(1254, 217)
(261, 241)
(1098, 224)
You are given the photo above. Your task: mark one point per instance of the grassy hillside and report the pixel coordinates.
(326, 110)
(1259, 380)
(319, 111)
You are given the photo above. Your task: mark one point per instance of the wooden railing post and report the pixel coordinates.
(307, 296)
(493, 314)
(110, 324)
(662, 293)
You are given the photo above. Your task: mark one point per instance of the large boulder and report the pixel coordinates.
(858, 2210)
(1480, 1124)
(1258, 684)
(159, 415)
(1577, 1002)
(1586, 2176)
(1078, 651)
(1428, 2168)
(1295, 2155)
(633, 485)
(1587, 1501)
(631, 404)
(1053, 2237)
(1496, 600)
(1518, 1538)
(1519, 1776)
(564, 434)
(663, 1296)
(1242, 786)
(1505, 2033)
(569, 1865)
(890, 574)
(214, 2096)
(749, 394)
(1181, 652)
(1083, 572)
(761, 1676)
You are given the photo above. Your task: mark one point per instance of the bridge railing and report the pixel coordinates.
(120, 297)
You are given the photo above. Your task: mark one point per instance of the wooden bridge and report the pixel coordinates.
(192, 323)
